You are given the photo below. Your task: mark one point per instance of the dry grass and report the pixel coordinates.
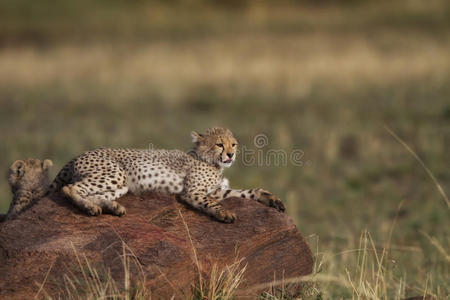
(222, 282)
(89, 282)
(264, 65)
(420, 161)
(371, 276)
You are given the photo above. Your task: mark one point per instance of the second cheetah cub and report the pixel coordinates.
(96, 179)
(29, 181)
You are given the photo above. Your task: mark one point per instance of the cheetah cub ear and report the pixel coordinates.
(47, 164)
(196, 137)
(16, 171)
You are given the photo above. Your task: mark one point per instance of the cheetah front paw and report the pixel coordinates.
(225, 216)
(94, 210)
(119, 210)
(269, 199)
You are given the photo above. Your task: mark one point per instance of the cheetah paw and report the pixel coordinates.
(225, 216)
(119, 210)
(271, 200)
(94, 211)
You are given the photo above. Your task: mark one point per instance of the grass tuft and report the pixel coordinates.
(88, 282)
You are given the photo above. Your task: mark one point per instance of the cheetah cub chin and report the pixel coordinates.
(96, 179)
(29, 181)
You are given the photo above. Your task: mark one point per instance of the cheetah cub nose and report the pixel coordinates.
(230, 155)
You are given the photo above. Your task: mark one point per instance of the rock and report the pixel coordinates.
(46, 237)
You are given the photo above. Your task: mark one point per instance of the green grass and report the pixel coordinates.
(325, 80)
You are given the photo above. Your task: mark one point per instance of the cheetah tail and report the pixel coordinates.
(56, 185)
(63, 178)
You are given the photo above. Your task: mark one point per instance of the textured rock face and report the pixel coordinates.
(47, 234)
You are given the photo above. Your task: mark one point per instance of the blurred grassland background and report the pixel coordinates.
(321, 76)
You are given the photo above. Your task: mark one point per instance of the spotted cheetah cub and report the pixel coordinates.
(96, 179)
(29, 181)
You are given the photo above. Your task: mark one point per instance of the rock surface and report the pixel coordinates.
(46, 236)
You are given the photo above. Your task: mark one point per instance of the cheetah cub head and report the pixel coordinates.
(217, 146)
(30, 177)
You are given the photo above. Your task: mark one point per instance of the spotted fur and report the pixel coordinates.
(96, 179)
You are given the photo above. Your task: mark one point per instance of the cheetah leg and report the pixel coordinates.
(260, 195)
(106, 200)
(210, 206)
(98, 187)
(21, 200)
(78, 193)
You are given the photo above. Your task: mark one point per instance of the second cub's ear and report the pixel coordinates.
(47, 164)
(196, 137)
(17, 168)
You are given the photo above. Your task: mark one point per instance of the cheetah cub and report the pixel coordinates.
(29, 181)
(96, 179)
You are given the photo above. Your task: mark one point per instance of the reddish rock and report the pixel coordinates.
(46, 235)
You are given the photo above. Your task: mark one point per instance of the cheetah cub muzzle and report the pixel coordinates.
(96, 179)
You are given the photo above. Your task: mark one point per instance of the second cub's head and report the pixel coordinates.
(30, 175)
(216, 146)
